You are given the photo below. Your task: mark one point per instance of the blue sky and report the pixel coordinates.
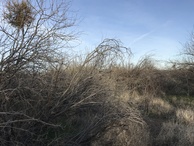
(158, 27)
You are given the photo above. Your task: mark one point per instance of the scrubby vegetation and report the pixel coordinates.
(49, 98)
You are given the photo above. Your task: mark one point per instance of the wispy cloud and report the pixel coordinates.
(141, 37)
(150, 32)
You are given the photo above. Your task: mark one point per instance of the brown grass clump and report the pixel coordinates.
(160, 107)
(153, 106)
(185, 115)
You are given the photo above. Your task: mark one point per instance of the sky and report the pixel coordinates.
(149, 27)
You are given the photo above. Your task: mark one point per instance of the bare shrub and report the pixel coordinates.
(181, 82)
(188, 52)
(37, 44)
(178, 81)
(116, 113)
(30, 38)
(145, 78)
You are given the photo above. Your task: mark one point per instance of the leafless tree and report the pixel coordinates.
(32, 33)
(186, 65)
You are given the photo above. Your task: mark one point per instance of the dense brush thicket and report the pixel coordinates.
(71, 105)
(47, 98)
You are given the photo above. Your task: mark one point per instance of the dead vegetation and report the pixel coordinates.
(98, 99)
(47, 99)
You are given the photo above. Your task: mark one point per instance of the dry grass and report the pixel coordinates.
(124, 133)
(129, 130)
(151, 105)
(172, 134)
(185, 115)
(160, 107)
